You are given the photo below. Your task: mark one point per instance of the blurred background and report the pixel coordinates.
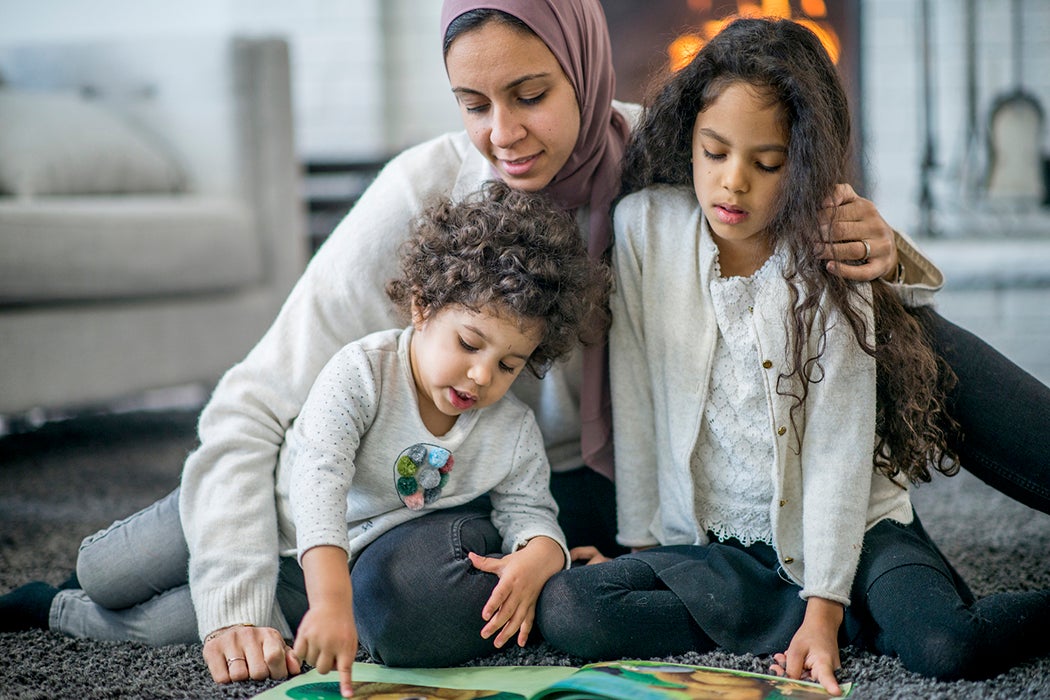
(949, 98)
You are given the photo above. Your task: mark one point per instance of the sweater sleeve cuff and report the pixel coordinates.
(522, 539)
(237, 605)
(922, 279)
(808, 593)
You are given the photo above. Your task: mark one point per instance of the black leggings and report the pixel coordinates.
(919, 617)
(1004, 413)
(907, 601)
(617, 610)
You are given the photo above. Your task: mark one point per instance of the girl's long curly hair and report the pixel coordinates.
(785, 61)
(513, 253)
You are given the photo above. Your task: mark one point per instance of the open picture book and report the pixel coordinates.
(614, 680)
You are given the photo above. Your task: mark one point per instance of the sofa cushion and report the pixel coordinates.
(59, 143)
(55, 249)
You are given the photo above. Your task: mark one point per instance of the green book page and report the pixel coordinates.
(617, 680)
(648, 680)
(502, 682)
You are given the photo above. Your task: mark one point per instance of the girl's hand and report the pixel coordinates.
(512, 606)
(855, 221)
(588, 555)
(242, 652)
(813, 654)
(327, 639)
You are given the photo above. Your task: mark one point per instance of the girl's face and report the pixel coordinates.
(462, 359)
(517, 104)
(739, 154)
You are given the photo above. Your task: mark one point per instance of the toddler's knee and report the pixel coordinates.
(436, 652)
(409, 617)
(422, 638)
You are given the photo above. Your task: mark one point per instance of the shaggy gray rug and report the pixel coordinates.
(66, 480)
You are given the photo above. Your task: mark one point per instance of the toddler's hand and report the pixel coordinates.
(327, 639)
(512, 606)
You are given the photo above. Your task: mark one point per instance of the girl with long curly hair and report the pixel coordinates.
(769, 416)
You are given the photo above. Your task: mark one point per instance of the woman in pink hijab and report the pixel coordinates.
(535, 85)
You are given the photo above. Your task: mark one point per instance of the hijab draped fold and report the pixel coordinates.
(576, 33)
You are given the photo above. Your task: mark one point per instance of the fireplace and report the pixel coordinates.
(650, 37)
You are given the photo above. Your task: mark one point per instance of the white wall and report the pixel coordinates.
(367, 75)
(71, 20)
(893, 100)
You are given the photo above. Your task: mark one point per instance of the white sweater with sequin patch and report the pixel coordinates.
(337, 475)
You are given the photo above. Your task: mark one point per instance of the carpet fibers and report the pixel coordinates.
(69, 479)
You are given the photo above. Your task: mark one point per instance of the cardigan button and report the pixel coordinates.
(781, 430)
(789, 560)
(783, 503)
(767, 364)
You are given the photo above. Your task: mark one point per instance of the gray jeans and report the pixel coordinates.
(134, 580)
(417, 598)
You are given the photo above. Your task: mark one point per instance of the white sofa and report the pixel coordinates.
(151, 220)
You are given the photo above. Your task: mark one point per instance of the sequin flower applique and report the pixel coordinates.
(420, 472)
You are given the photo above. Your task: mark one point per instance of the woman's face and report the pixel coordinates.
(518, 106)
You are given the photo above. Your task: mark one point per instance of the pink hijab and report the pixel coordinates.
(576, 33)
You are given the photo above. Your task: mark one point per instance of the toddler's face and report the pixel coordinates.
(739, 154)
(463, 359)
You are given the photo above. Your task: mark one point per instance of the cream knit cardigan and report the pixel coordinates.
(826, 494)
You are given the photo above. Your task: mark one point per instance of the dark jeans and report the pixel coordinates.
(417, 597)
(1004, 413)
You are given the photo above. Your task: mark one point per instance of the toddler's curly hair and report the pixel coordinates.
(509, 252)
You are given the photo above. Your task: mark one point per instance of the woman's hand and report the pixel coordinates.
(243, 652)
(512, 606)
(865, 247)
(813, 654)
